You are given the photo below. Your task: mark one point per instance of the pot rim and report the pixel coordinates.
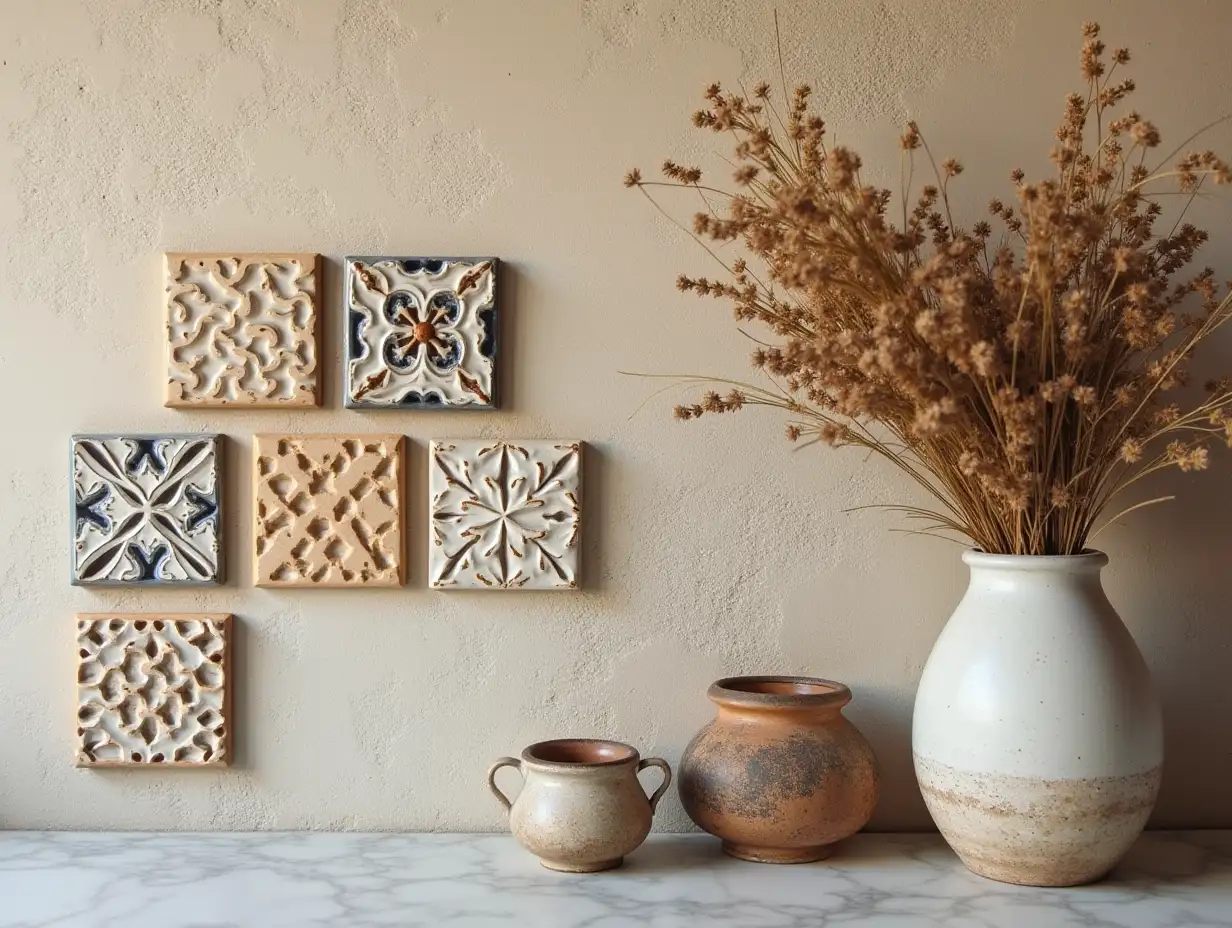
(829, 694)
(629, 754)
(1090, 559)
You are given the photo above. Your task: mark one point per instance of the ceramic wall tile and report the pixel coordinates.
(145, 509)
(153, 689)
(421, 333)
(505, 515)
(328, 510)
(242, 330)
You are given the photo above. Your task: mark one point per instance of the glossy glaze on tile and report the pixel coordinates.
(505, 515)
(145, 509)
(420, 333)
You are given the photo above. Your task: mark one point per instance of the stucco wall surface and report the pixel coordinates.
(131, 127)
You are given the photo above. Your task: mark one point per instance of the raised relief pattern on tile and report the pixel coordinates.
(421, 332)
(505, 515)
(153, 689)
(145, 509)
(328, 510)
(242, 329)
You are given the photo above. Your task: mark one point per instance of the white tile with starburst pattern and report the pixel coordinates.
(505, 515)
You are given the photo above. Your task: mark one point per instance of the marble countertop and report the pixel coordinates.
(300, 880)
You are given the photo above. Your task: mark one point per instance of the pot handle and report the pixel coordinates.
(502, 762)
(667, 779)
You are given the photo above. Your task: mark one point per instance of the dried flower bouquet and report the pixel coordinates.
(1024, 376)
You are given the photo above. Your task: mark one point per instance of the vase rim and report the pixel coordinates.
(579, 753)
(779, 692)
(1090, 559)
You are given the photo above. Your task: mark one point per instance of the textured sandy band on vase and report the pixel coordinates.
(1036, 831)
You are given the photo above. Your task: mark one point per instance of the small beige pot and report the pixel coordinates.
(581, 808)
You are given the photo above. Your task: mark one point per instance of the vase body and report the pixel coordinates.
(779, 774)
(1037, 735)
(581, 808)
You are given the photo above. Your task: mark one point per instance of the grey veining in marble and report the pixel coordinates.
(299, 880)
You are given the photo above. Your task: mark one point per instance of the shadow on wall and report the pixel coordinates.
(884, 716)
(869, 620)
(1169, 579)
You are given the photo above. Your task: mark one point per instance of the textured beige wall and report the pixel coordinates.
(403, 127)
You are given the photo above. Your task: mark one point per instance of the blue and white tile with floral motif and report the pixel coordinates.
(421, 333)
(145, 510)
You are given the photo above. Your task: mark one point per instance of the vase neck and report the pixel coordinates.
(1010, 571)
(800, 715)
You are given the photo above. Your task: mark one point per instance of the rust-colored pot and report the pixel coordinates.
(779, 774)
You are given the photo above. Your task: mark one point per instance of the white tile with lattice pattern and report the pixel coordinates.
(153, 689)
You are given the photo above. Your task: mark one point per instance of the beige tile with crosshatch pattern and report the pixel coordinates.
(328, 510)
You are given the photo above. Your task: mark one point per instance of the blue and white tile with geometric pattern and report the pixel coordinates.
(145, 510)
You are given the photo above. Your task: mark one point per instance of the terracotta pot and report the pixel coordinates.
(779, 774)
(581, 808)
(1037, 735)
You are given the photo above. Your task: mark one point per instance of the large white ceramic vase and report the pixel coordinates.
(1037, 735)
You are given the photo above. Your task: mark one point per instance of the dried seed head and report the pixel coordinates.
(971, 352)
